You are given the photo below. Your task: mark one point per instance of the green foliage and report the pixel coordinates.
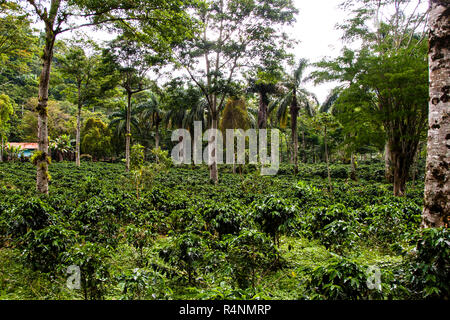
(139, 234)
(185, 229)
(6, 110)
(272, 215)
(186, 251)
(40, 156)
(383, 97)
(142, 175)
(137, 157)
(139, 237)
(318, 218)
(92, 259)
(33, 214)
(392, 221)
(162, 158)
(43, 248)
(343, 279)
(430, 269)
(223, 218)
(235, 115)
(250, 253)
(96, 138)
(61, 145)
(143, 284)
(340, 234)
(95, 221)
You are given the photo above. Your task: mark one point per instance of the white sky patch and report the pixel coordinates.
(315, 29)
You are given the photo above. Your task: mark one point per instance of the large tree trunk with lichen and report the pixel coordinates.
(128, 133)
(42, 159)
(78, 133)
(437, 196)
(294, 135)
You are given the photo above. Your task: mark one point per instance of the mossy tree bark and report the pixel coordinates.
(330, 186)
(353, 174)
(437, 196)
(42, 161)
(294, 135)
(128, 131)
(78, 134)
(213, 171)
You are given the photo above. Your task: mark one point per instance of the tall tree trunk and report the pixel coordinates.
(262, 113)
(415, 164)
(327, 160)
(402, 155)
(78, 134)
(400, 176)
(128, 134)
(1, 150)
(436, 210)
(294, 116)
(157, 134)
(42, 161)
(304, 145)
(213, 172)
(287, 148)
(388, 164)
(353, 175)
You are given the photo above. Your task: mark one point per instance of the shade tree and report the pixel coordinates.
(235, 36)
(60, 16)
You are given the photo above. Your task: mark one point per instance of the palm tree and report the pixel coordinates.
(150, 112)
(234, 116)
(296, 96)
(12, 152)
(263, 89)
(61, 146)
(175, 118)
(329, 107)
(118, 123)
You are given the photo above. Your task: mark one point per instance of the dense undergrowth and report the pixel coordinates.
(250, 237)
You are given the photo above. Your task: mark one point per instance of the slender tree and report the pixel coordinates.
(132, 60)
(80, 67)
(235, 37)
(59, 16)
(388, 76)
(234, 116)
(436, 210)
(294, 99)
(6, 110)
(150, 111)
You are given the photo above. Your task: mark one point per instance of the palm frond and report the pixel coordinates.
(299, 71)
(330, 100)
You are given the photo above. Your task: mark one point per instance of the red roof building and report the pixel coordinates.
(24, 145)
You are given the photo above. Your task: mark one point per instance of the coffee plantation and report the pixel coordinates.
(249, 237)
